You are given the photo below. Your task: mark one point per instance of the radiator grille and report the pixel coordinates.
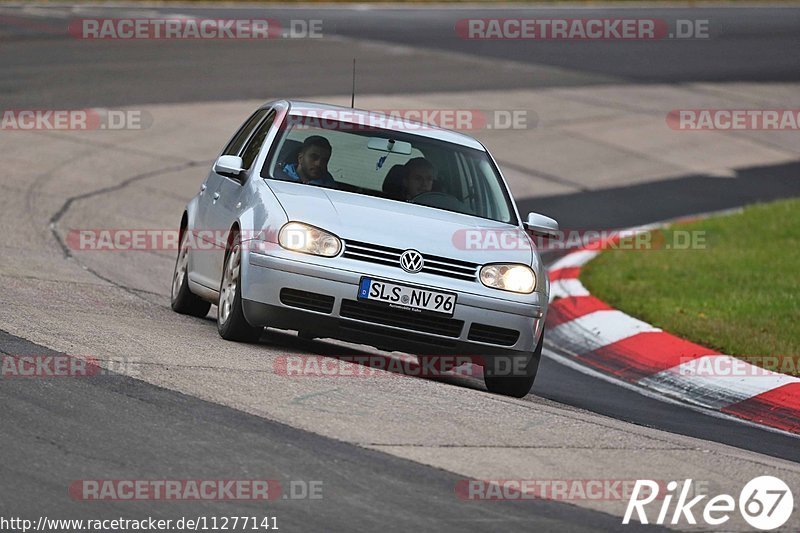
(383, 255)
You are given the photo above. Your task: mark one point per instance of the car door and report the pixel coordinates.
(203, 258)
(232, 195)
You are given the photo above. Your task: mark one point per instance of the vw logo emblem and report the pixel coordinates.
(411, 261)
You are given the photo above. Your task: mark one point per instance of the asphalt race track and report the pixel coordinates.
(389, 451)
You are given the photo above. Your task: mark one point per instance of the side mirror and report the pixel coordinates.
(229, 165)
(541, 225)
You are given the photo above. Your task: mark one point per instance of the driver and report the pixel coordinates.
(312, 163)
(418, 178)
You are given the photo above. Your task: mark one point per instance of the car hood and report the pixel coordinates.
(369, 219)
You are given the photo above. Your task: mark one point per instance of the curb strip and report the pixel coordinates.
(605, 339)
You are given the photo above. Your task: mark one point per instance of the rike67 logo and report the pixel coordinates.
(765, 503)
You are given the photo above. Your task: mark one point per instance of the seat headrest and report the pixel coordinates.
(393, 183)
(289, 152)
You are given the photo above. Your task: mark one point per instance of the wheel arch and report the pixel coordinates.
(184, 225)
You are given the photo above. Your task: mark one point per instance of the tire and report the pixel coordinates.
(182, 300)
(515, 386)
(231, 323)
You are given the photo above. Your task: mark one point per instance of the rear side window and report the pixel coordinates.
(236, 144)
(254, 144)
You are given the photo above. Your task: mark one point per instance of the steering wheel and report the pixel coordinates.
(439, 199)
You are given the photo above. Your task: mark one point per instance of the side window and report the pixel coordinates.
(254, 144)
(235, 145)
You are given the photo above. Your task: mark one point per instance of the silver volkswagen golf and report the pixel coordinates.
(354, 225)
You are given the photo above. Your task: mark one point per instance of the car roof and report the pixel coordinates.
(362, 116)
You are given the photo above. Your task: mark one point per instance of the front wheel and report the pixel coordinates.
(514, 379)
(231, 323)
(182, 300)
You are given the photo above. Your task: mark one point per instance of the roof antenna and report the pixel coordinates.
(353, 94)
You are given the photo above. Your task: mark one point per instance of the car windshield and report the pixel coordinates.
(396, 165)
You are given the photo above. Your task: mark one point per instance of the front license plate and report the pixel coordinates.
(406, 297)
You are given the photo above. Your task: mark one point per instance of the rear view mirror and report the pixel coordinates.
(541, 225)
(229, 165)
(389, 145)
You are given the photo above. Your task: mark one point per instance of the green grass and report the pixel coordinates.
(740, 294)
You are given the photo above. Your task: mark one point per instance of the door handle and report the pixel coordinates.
(215, 196)
(202, 189)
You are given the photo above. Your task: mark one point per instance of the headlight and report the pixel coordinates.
(514, 278)
(300, 237)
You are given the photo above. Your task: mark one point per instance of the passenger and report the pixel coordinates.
(419, 177)
(312, 163)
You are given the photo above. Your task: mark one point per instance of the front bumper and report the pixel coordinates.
(481, 323)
